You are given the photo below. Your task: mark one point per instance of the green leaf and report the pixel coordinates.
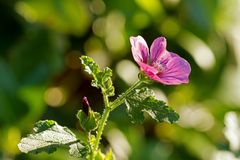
(88, 122)
(102, 79)
(106, 81)
(77, 150)
(143, 100)
(43, 125)
(47, 136)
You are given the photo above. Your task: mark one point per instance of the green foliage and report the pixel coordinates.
(33, 69)
(99, 155)
(77, 150)
(48, 136)
(102, 79)
(92, 140)
(36, 38)
(110, 155)
(88, 122)
(143, 100)
(67, 16)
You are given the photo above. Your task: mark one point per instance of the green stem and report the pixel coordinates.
(102, 124)
(127, 93)
(101, 127)
(105, 100)
(108, 108)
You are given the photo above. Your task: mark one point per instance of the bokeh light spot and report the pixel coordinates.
(170, 27)
(171, 3)
(115, 41)
(159, 94)
(200, 51)
(55, 96)
(11, 140)
(153, 7)
(127, 71)
(99, 27)
(119, 144)
(93, 44)
(114, 32)
(232, 130)
(141, 20)
(196, 117)
(97, 7)
(100, 57)
(26, 11)
(229, 86)
(223, 155)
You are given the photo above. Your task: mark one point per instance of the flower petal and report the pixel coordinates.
(158, 48)
(149, 70)
(176, 71)
(139, 49)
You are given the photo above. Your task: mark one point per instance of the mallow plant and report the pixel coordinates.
(158, 65)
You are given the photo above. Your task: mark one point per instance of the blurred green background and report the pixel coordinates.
(41, 76)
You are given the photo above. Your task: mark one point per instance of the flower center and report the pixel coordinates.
(158, 66)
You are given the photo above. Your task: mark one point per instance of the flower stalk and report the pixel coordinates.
(110, 107)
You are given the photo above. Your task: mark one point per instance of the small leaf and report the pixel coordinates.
(143, 100)
(90, 66)
(47, 136)
(101, 79)
(88, 122)
(107, 82)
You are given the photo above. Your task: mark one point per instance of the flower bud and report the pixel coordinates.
(86, 106)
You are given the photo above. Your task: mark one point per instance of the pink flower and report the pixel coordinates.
(160, 65)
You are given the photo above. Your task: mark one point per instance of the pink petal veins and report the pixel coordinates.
(176, 71)
(158, 48)
(148, 69)
(139, 49)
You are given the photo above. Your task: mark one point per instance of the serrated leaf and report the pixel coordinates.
(43, 125)
(107, 81)
(101, 79)
(143, 100)
(134, 104)
(88, 122)
(47, 137)
(159, 111)
(90, 66)
(77, 150)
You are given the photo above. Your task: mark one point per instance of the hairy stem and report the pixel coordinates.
(127, 93)
(108, 108)
(102, 124)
